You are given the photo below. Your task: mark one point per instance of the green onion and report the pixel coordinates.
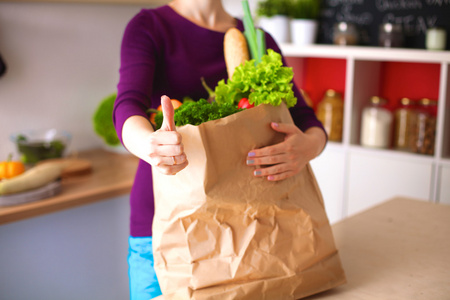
(257, 49)
(261, 42)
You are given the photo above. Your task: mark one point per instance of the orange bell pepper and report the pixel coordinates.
(10, 168)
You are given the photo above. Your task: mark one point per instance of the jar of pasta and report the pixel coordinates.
(424, 130)
(330, 112)
(403, 123)
(376, 124)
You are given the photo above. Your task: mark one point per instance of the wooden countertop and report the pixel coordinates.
(397, 250)
(112, 175)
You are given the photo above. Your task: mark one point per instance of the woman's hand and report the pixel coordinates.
(163, 149)
(289, 157)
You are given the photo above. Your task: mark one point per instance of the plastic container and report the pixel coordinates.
(436, 39)
(424, 130)
(330, 112)
(404, 118)
(376, 125)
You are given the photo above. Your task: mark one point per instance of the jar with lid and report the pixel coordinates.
(345, 34)
(424, 130)
(330, 112)
(403, 123)
(390, 35)
(376, 124)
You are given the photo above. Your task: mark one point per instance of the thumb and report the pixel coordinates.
(168, 123)
(284, 128)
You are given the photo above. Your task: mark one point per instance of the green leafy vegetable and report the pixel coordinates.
(103, 123)
(195, 113)
(268, 82)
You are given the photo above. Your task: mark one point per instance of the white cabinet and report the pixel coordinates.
(329, 169)
(353, 178)
(444, 184)
(374, 178)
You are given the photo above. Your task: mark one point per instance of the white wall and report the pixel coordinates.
(63, 59)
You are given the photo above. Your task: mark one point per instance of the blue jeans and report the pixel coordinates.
(143, 282)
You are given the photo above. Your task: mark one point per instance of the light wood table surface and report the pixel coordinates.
(397, 250)
(112, 175)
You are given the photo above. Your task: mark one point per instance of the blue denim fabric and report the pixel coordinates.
(143, 282)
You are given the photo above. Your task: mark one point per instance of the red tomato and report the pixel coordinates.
(244, 104)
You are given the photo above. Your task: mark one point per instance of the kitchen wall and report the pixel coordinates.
(63, 59)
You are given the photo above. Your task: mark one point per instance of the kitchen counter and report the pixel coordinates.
(397, 250)
(112, 175)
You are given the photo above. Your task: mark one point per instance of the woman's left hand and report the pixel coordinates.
(289, 157)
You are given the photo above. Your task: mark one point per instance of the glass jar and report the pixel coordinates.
(390, 35)
(424, 130)
(330, 112)
(403, 122)
(345, 34)
(376, 124)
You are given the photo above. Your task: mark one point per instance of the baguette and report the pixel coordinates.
(235, 49)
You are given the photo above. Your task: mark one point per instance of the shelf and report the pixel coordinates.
(366, 53)
(386, 153)
(112, 175)
(365, 175)
(394, 154)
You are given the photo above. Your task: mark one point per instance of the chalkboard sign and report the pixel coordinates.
(415, 17)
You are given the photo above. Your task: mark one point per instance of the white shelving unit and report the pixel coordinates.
(353, 178)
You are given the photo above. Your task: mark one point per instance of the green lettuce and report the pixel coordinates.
(268, 82)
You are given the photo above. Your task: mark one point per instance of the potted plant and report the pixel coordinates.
(304, 23)
(273, 18)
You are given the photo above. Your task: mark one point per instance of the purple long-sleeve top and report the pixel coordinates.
(163, 53)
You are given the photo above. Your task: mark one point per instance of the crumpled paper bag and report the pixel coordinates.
(221, 233)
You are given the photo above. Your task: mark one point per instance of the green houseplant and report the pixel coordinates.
(273, 18)
(304, 9)
(270, 8)
(304, 23)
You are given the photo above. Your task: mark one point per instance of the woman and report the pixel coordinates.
(165, 51)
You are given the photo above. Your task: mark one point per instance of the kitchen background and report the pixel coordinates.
(63, 59)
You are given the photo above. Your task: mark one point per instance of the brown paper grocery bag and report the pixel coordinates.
(221, 233)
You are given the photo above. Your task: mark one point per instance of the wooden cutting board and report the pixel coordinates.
(76, 166)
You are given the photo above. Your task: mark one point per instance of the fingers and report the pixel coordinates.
(172, 169)
(168, 113)
(274, 168)
(172, 160)
(168, 155)
(282, 160)
(274, 173)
